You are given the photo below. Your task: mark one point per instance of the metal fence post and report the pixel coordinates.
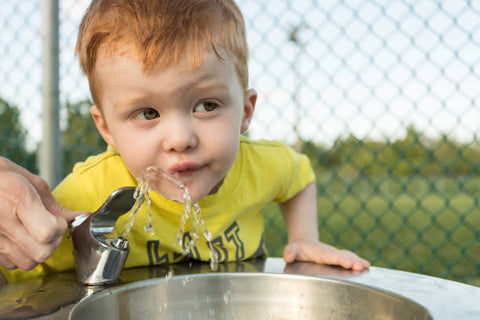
(50, 152)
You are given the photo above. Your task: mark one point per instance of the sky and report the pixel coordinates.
(367, 68)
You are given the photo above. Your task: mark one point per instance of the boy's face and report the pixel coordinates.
(185, 121)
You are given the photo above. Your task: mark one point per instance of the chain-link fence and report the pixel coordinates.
(382, 95)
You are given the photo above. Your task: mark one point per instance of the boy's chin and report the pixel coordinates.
(180, 196)
(194, 197)
(176, 196)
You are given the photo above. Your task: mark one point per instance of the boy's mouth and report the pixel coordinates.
(182, 170)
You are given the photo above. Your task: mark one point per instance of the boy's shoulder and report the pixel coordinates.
(92, 180)
(108, 158)
(274, 166)
(263, 144)
(267, 156)
(266, 149)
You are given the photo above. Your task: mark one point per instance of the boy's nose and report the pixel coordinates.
(179, 136)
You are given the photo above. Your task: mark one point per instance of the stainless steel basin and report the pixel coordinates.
(246, 296)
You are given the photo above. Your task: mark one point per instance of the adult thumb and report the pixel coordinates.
(58, 210)
(55, 208)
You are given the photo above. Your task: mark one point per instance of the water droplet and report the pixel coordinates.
(149, 229)
(211, 312)
(169, 274)
(207, 235)
(227, 297)
(186, 281)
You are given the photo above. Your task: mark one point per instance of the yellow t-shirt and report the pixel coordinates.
(263, 171)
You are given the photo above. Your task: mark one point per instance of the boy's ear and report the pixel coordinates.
(248, 108)
(102, 126)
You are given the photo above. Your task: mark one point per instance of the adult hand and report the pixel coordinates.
(32, 222)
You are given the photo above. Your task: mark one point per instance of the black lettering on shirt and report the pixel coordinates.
(232, 236)
(218, 247)
(152, 251)
(193, 253)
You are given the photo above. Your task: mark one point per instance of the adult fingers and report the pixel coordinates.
(24, 253)
(40, 185)
(6, 263)
(21, 205)
(12, 257)
(29, 231)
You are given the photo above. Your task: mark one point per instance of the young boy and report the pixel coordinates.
(170, 84)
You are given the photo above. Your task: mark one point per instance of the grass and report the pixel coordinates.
(416, 224)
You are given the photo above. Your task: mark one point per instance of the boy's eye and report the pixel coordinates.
(147, 114)
(206, 106)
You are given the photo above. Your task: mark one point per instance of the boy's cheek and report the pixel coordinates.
(136, 160)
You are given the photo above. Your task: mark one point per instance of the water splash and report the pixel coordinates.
(141, 196)
(193, 211)
(198, 228)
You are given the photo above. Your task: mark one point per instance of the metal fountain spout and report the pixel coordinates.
(100, 256)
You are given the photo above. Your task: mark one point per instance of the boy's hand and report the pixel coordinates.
(300, 213)
(32, 222)
(318, 252)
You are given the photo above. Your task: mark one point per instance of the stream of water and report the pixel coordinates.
(191, 211)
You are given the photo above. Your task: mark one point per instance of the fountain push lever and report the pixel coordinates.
(100, 257)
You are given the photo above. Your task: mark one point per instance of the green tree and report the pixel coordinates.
(80, 137)
(412, 154)
(13, 138)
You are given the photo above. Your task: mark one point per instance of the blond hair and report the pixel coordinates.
(163, 32)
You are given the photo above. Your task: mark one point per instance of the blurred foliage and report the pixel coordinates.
(413, 154)
(13, 138)
(80, 137)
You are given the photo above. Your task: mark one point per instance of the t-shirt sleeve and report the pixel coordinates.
(298, 174)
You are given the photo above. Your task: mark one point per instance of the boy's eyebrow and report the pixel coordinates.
(129, 101)
(205, 84)
(202, 84)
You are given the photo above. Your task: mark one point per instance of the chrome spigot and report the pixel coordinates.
(100, 257)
